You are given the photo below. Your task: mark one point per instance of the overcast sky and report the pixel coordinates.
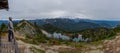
(86, 9)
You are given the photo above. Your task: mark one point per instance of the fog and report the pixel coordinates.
(64, 37)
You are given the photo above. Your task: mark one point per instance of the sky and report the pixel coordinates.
(85, 9)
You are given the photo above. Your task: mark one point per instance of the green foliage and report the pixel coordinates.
(37, 50)
(117, 29)
(97, 34)
(28, 36)
(51, 28)
(21, 26)
(37, 39)
(66, 51)
(94, 34)
(3, 28)
(22, 20)
(40, 38)
(37, 28)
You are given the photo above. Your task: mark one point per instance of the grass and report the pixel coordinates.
(70, 51)
(112, 37)
(30, 41)
(97, 42)
(36, 50)
(81, 47)
(58, 42)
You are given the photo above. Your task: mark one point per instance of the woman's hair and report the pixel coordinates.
(10, 18)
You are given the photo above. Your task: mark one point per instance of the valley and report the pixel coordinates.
(47, 37)
(59, 26)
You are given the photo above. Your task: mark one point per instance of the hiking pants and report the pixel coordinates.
(10, 35)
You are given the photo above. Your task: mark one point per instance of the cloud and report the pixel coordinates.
(90, 9)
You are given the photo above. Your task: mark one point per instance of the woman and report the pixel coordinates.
(10, 30)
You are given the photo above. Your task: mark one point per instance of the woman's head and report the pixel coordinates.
(10, 18)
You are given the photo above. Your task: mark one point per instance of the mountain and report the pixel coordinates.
(65, 27)
(26, 28)
(71, 25)
(86, 36)
(32, 30)
(6, 22)
(51, 28)
(3, 21)
(108, 22)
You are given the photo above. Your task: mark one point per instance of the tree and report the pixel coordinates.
(3, 27)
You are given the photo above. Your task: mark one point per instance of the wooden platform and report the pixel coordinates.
(6, 46)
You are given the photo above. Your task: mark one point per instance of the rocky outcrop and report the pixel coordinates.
(26, 28)
(112, 46)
